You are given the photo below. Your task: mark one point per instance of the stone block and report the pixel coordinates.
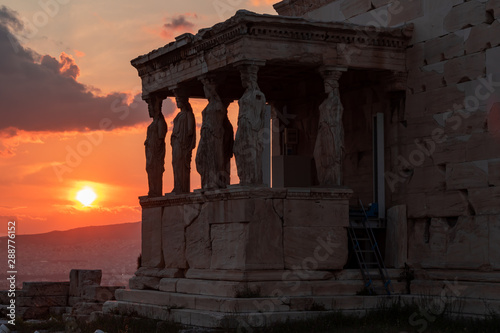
(396, 245)
(143, 296)
(482, 146)
(466, 15)
(415, 204)
(443, 48)
(142, 310)
(144, 282)
(198, 246)
(466, 68)
(313, 248)
(168, 284)
(79, 278)
(450, 151)
(265, 238)
(421, 80)
(466, 175)
(316, 213)
(152, 255)
(485, 201)
(46, 288)
(42, 301)
(482, 37)
(99, 293)
(442, 99)
(229, 245)
(32, 312)
(207, 287)
(355, 7)
(493, 6)
(72, 300)
(426, 179)
(450, 243)
(173, 239)
(494, 240)
(59, 310)
(404, 11)
(446, 203)
(86, 308)
(494, 173)
(415, 56)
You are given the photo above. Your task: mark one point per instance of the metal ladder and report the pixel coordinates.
(365, 233)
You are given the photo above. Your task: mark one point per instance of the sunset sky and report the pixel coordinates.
(69, 118)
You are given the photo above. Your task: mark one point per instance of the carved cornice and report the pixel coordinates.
(248, 24)
(299, 7)
(243, 192)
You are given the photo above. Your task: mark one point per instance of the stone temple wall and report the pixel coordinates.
(242, 229)
(445, 164)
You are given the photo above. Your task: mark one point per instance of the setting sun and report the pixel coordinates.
(86, 196)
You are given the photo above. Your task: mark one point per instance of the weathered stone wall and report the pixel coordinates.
(242, 229)
(79, 297)
(444, 160)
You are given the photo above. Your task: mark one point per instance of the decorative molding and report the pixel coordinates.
(299, 7)
(248, 24)
(236, 192)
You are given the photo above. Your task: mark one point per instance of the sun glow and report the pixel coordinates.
(86, 196)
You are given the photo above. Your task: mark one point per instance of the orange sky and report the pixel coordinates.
(68, 114)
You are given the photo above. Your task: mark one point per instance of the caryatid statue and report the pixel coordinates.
(248, 145)
(228, 143)
(183, 141)
(210, 154)
(155, 146)
(329, 147)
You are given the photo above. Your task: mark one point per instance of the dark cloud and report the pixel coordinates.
(179, 22)
(176, 25)
(40, 93)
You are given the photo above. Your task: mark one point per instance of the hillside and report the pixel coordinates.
(51, 256)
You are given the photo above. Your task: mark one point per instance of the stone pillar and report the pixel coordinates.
(248, 144)
(210, 161)
(155, 146)
(183, 141)
(329, 147)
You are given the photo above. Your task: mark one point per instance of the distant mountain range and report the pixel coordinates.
(50, 256)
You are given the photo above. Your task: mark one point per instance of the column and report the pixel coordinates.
(329, 146)
(183, 141)
(210, 161)
(155, 146)
(248, 144)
